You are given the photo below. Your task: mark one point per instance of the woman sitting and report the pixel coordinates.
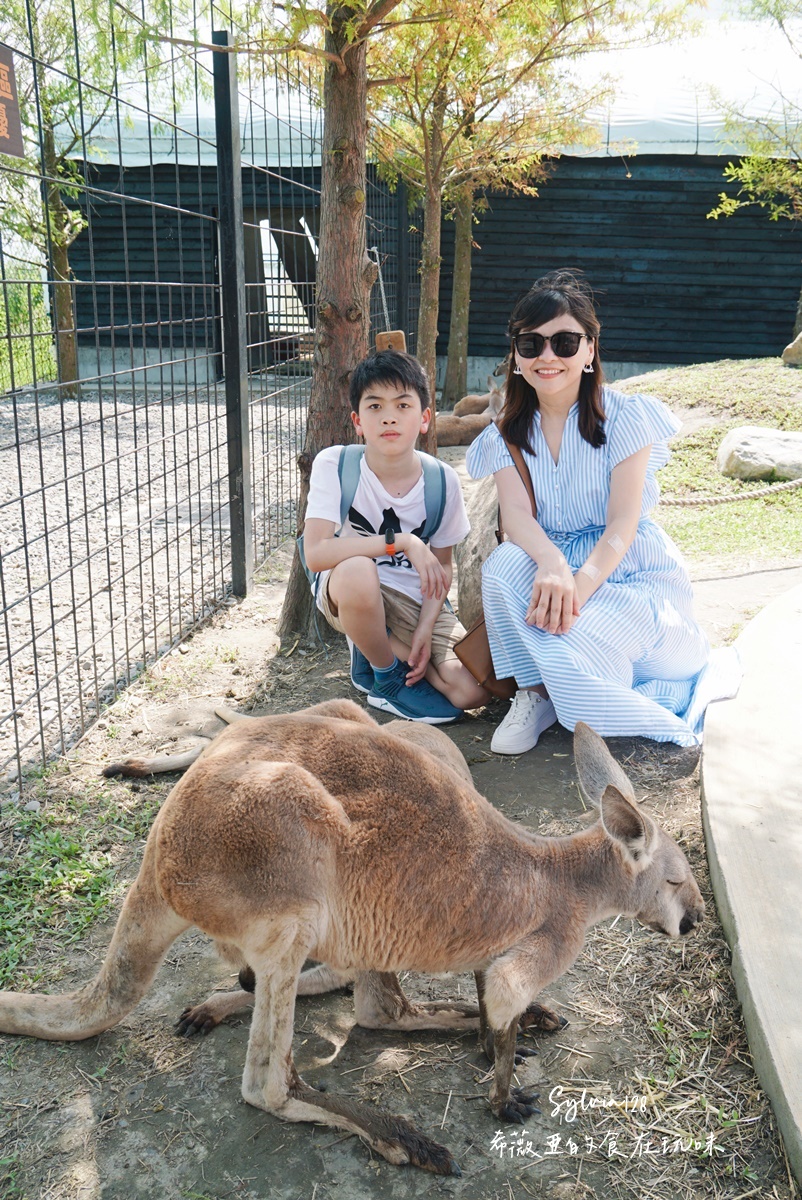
(589, 606)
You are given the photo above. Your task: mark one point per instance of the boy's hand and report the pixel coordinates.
(433, 578)
(419, 655)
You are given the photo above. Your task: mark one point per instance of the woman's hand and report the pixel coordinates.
(555, 604)
(434, 581)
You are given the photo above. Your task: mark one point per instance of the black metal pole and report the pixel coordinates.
(402, 250)
(232, 290)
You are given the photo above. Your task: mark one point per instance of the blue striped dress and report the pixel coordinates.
(630, 662)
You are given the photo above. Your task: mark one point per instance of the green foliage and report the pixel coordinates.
(770, 173)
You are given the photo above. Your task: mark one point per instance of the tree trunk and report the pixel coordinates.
(429, 306)
(456, 380)
(430, 300)
(58, 218)
(345, 276)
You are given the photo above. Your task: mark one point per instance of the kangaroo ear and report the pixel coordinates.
(626, 825)
(596, 766)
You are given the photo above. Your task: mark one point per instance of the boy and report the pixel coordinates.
(380, 584)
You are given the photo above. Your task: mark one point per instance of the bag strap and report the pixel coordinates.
(526, 480)
(434, 486)
(348, 468)
(434, 494)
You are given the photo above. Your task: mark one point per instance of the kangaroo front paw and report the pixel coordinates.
(200, 1019)
(518, 1106)
(538, 1017)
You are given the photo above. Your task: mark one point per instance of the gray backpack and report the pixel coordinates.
(348, 468)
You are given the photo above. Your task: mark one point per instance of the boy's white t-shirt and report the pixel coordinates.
(374, 510)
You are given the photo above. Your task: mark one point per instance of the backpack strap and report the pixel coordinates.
(434, 486)
(348, 469)
(434, 494)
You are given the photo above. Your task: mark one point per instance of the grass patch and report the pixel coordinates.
(759, 391)
(732, 393)
(60, 875)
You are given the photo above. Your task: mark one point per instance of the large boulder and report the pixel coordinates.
(752, 452)
(792, 354)
(472, 552)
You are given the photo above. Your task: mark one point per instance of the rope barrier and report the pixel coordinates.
(693, 501)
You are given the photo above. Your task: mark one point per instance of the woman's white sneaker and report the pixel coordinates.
(529, 715)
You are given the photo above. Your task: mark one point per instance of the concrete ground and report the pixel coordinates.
(752, 801)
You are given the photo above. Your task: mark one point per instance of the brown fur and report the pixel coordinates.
(460, 431)
(492, 401)
(321, 834)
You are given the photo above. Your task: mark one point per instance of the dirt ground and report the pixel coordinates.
(654, 1055)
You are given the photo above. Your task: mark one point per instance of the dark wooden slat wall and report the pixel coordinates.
(672, 285)
(143, 232)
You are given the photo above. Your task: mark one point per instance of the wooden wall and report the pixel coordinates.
(672, 285)
(148, 228)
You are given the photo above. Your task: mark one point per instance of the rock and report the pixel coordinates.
(752, 452)
(460, 431)
(792, 354)
(33, 806)
(477, 546)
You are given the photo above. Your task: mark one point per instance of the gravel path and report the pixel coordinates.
(115, 540)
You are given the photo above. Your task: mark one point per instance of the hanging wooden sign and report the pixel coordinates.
(10, 124)
(391, 339)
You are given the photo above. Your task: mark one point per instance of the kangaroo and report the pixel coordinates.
(492, 401)
(323, 835)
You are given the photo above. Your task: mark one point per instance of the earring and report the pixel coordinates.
(517, 371)
(588, 368)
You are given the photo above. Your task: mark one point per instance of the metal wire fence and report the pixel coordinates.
(117, 517)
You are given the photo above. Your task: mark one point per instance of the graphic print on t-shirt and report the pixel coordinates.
(390, 523)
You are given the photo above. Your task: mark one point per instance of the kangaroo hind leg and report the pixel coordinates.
(271, 1081)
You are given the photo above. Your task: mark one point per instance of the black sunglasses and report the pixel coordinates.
(564, 344)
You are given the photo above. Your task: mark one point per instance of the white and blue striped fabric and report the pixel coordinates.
(631, 661)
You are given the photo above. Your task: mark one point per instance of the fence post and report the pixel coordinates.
(232, 295)
(402, 320)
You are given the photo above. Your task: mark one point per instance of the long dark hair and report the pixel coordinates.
(554, 295)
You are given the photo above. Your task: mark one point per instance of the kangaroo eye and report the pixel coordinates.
(674, 882)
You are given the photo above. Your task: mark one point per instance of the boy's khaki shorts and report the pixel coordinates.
(402, 614)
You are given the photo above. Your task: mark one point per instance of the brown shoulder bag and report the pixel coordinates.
(473, 650)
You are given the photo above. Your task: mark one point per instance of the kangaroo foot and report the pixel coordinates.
(395, 1138)
(538, 1017)
(518, 1106)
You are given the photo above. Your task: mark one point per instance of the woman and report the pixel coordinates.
(589, 606)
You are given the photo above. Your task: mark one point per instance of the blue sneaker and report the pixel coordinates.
(361, 670)
(421, 702)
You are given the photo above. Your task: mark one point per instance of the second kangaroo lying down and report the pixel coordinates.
(374, 857)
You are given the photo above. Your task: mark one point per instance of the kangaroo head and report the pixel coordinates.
(496, 397)
(660, 888)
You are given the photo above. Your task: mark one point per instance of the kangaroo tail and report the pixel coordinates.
(146, 929)
(139, 768)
